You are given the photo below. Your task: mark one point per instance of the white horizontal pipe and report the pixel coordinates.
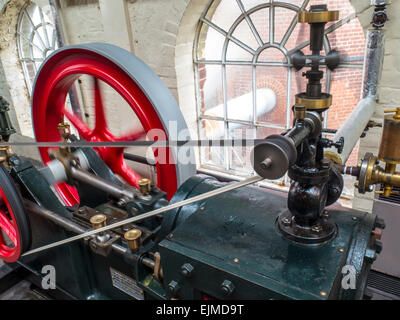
(352, 129)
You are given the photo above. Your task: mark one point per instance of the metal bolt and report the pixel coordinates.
(316, 228)
(286, 221)
(266, 163)
(227, 287)
(174, 287)
(121, 202)
(370, 255)
(187, 270)
(379, 223)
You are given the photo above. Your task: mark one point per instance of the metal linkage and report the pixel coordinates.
(148, 214)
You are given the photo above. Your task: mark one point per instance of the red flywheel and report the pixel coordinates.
(135, 82)
(15, 235)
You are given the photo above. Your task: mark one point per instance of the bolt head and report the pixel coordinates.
(173, 287)
(286, 221)
(187, 270)
(227, 287)
(316, 228)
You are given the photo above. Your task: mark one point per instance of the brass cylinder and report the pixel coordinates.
(144, 186)
(133, 239)
(98, 221)
(389, 150)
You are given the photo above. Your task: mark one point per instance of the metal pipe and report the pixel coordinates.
(355, 124)
(101, 184)
(54, 217)
(352, 129)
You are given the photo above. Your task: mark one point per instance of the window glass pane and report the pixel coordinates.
(239, 153)
(271, 95)
(239, 86)
(212, 130)
(225, 14)
(210, 86)
(272, 55)
(249, 4)
(260, 20)
(283, 19)
(244, 34)
(236, 53)
(210, 44)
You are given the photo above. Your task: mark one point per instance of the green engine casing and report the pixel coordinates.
(231, 240)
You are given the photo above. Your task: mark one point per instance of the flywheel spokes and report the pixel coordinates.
(134, 82)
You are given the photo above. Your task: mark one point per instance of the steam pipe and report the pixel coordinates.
(355, 124)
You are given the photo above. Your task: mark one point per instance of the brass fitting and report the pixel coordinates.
(371, 174)
(300, 111)
(144, 186)
(5, 153)
(389, 153)
(98, 221)
(318, 16)
(133, 239)
(64, 129)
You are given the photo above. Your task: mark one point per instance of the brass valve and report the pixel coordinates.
(389, 153)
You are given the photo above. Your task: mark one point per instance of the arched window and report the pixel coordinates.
(244, 80)
(36, 39)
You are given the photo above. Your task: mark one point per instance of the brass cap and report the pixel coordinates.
(98, 221)
(133, 238)
(318, 16)
(144, 186)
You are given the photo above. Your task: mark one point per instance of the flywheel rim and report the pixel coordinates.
(122, 71)
(13, 221)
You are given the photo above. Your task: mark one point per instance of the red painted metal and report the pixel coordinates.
(52, 85)
(8, 224)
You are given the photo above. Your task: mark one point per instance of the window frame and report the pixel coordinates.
(224, 62)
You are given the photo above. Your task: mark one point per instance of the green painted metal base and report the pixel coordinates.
(232, 238)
